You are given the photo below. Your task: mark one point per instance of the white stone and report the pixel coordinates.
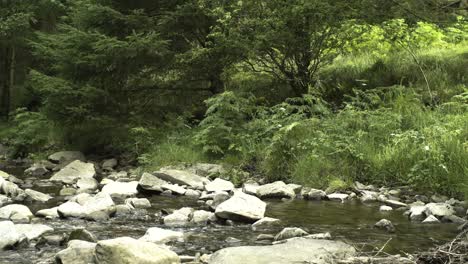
(219, 185)
(242, 207)
(160, 236)
(74, 171)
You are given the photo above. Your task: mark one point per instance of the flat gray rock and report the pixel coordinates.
(297, 250)
(74, 171)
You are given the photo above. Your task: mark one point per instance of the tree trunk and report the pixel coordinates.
(7, 80)
(216, 85)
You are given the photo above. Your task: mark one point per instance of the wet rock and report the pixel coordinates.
(219, 185)
(150, 182)
(439, 209)
(74, 171)
(77, 252)
(431, 220)
(118, 176)
(3, 175)
(250, 188)
(277, 189)
(83, 235)
(385, 208)
(290, 232)
(48, 213)
(338, 197)
(109, 164)
(421, 198)
(266, 223)
(123, 209)
(87, 185)
(37, 196)
(174, 188)
(161, 236)
(453, 219)
(202, 217)
(11, 189)
(369, 196)
(121, 189)
(218, 199)
(9, 236)
(179, 217)
(385, 225)
(33, 231)
(297, 250)
(439, 198)
(126, 250)
(53, 240)
(67, 192)
(417, 213)
(241, 207)
(207, 169)
(315, 194)
(265, 237)
(295, 187)
(395, 203)
(192, 193)
(326, 235)
(182, 178)
(232, 240)
(139, 203)
(4, 200)
(17, 213)
(36, 170)
(377, 260)
(66, 157)
(88, 207)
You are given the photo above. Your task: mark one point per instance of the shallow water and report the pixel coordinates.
(351, 222)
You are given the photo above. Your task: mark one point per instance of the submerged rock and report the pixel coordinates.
(338, 197)
(139, 203)
(241, 207)
(297, 250)
(74, 171)
(431, 220)
(126, 250)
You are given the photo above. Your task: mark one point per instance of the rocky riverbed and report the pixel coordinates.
(72, 210)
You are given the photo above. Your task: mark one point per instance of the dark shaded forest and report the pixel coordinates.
(321, 93)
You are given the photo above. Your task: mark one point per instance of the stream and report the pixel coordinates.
(351, 222)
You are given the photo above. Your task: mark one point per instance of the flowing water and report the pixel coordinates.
(351, 222)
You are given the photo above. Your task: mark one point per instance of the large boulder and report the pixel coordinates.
(182, 178)
(439, 209)
(77, 252)
(126, 250)
(33, 231)
(66, 157)
(417, 213)
(241, 207)
(9, 236)
(149, 182)
(219, 185)
(277, 189)
(121, 189)
(160, 236)
(17, 213)
(296, 250)
(74, 171)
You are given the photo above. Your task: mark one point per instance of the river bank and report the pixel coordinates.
(194, 213)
